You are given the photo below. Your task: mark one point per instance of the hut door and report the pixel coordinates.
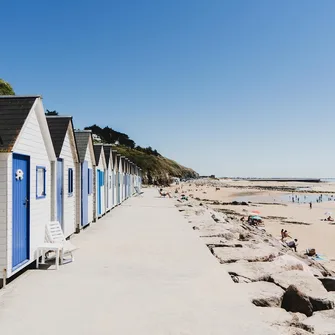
(84, 193)
(99, 191)
(60, 191)
(21, 192)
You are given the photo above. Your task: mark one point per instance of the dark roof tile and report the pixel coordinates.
(13, 112)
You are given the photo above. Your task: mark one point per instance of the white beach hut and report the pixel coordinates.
(116, 159)
(101, 169)
(27, 159)
(122, 178)
(85, 179)
(67, 170)
(109, 194)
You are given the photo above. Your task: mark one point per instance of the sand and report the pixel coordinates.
(308, 227)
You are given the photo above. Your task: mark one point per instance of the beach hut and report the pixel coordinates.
(132, 190)
(126, 177)
(122, 178)
(119, 179)
(67, 169)
(109, 194)
(27, 162)
(86, 177)
(116, 158)
(101, 169)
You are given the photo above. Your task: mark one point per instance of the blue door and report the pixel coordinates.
(60, 191)
(99, 191)
(21, 192)
(84, 193)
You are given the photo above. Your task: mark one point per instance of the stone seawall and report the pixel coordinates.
(296, 293)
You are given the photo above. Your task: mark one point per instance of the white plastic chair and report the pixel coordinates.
(54, 234)
(137, 190)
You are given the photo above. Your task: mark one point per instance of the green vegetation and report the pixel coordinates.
(156, 169)
(6, 88)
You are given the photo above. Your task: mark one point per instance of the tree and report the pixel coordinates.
(5, 88)
(51, 113)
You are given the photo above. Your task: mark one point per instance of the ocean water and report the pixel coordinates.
(297, 198)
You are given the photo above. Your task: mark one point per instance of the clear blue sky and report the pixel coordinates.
(234, 88)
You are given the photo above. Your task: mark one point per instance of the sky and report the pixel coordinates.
(231, 88)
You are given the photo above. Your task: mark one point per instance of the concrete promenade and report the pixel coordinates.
(139, 270)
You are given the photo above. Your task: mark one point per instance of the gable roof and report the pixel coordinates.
(58, 126)
(107, 150)
(97, 152)
(13, 113)
(82, 139)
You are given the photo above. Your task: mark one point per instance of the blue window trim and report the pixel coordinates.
(38, 167)
(70, 182)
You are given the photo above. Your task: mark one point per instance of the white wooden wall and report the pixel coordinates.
(31, 143)
(102, 167)
(69, 205)
(91, 202)
(110, 187)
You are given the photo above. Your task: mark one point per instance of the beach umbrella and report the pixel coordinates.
(256, 217)
(255, 212)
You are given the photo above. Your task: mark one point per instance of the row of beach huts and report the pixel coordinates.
(51, 172)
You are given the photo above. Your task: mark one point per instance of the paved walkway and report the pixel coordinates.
(139, 270)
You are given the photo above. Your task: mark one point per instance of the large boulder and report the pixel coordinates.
(323, 322)
(229, 255)
(263, 294)
(328, 283)
(308, 285)
(295, 301)
(257, 271)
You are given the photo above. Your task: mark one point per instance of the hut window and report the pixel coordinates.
(40, 182)
(90, 181)
(70, 181)
(110, 182)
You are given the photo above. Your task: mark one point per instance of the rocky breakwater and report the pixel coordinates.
(293, 293)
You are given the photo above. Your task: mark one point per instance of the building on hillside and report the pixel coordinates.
(86, 180)
(27, 162)
(67, 172)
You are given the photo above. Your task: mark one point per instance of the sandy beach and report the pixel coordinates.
(274, 202)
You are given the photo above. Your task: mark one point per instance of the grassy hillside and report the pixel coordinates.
(156, 169)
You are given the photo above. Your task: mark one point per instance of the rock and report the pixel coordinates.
(307, 284)
(295, 301)
(257, 271)
(240, 280)
(263, 294)
(323, 322)
(328, 283)
(229, 255)
(275, 315)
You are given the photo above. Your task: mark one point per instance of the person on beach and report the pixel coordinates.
(293, 244)
(164, 194)
(310, 205)
(284, 234)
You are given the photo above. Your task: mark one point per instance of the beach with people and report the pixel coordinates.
(304, 210)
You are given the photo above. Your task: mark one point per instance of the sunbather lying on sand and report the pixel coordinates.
(164, 194)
